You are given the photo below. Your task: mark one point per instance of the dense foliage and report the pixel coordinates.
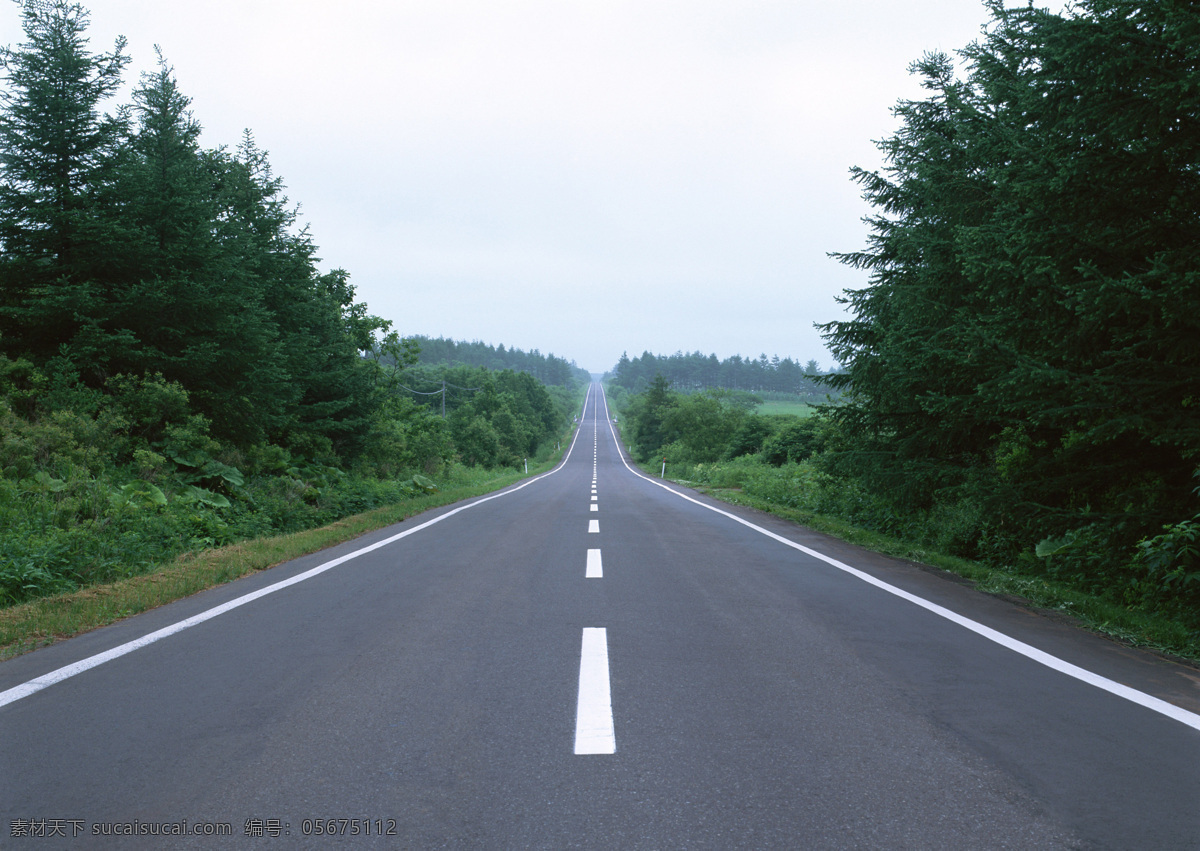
(99, 484)
(175, 371)
(698, 371)
(1024, 357)
(127, 249)
(494, 418)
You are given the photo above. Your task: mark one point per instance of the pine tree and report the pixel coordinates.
(55, 155)
(1093, 260)
(181, 289)
(1027, 336)
(913, 361)
(323, 332)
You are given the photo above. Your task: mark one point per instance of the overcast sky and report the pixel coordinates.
(584, 177)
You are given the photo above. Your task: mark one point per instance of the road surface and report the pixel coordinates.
(591, 659)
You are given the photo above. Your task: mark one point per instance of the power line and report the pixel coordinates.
(445, 386)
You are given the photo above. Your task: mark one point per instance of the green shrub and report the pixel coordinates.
(797, 441)
(34, 565)
(1169, 565)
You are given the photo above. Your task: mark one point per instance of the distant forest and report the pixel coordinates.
(697, 371)
(548, 368)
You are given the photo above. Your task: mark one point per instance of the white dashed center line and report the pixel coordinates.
(594, 732)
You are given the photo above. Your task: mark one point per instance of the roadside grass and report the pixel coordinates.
(39, 622)
(1128, 625)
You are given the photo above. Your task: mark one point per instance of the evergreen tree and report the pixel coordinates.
(648, 412)
(1027, 338)
(914, 361)
(55, 154)
(321, 388)
(195, 315)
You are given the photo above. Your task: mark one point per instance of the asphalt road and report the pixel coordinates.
(541, 669)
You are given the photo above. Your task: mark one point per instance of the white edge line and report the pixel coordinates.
(57, 676)
(1155, 704)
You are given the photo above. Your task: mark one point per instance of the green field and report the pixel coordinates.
(796, 409)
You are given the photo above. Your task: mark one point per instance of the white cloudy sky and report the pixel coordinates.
(584, 177)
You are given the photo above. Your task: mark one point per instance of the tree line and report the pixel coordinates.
(698, 371)
(546, 368)
(1024, 356)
